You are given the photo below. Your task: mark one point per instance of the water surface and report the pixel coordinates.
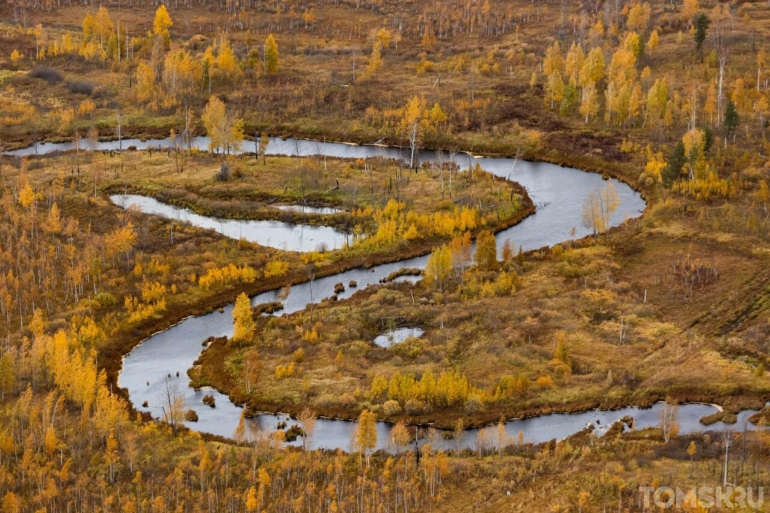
(274, 234)
(397, 335)
(304, 209)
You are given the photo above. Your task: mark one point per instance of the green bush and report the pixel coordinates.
(474, 404)
(105, 299)
(391, 408)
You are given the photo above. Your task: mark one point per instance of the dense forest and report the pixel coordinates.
(221, 110)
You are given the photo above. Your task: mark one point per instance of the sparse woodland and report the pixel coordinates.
(671, 98)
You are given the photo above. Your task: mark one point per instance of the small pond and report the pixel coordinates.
(397, 335)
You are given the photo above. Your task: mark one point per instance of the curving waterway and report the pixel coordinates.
(558, 192)
(274, 234)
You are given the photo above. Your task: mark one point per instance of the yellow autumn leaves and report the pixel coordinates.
(226, 276)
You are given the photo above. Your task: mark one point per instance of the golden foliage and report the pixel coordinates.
(271, 55)
(162, 23)
(285, 371)
(276, 267)
(13, 113)
(226, 276)
(244, 325)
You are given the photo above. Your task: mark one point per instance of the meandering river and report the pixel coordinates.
(558, 192)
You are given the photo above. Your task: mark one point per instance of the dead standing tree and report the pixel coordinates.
(689, 274)
(669, 420)
(173, 404)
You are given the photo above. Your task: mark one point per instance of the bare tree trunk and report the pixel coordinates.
(727, 437)
(722, 63)
(120, 133)
(413, 143)
(722, 54)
